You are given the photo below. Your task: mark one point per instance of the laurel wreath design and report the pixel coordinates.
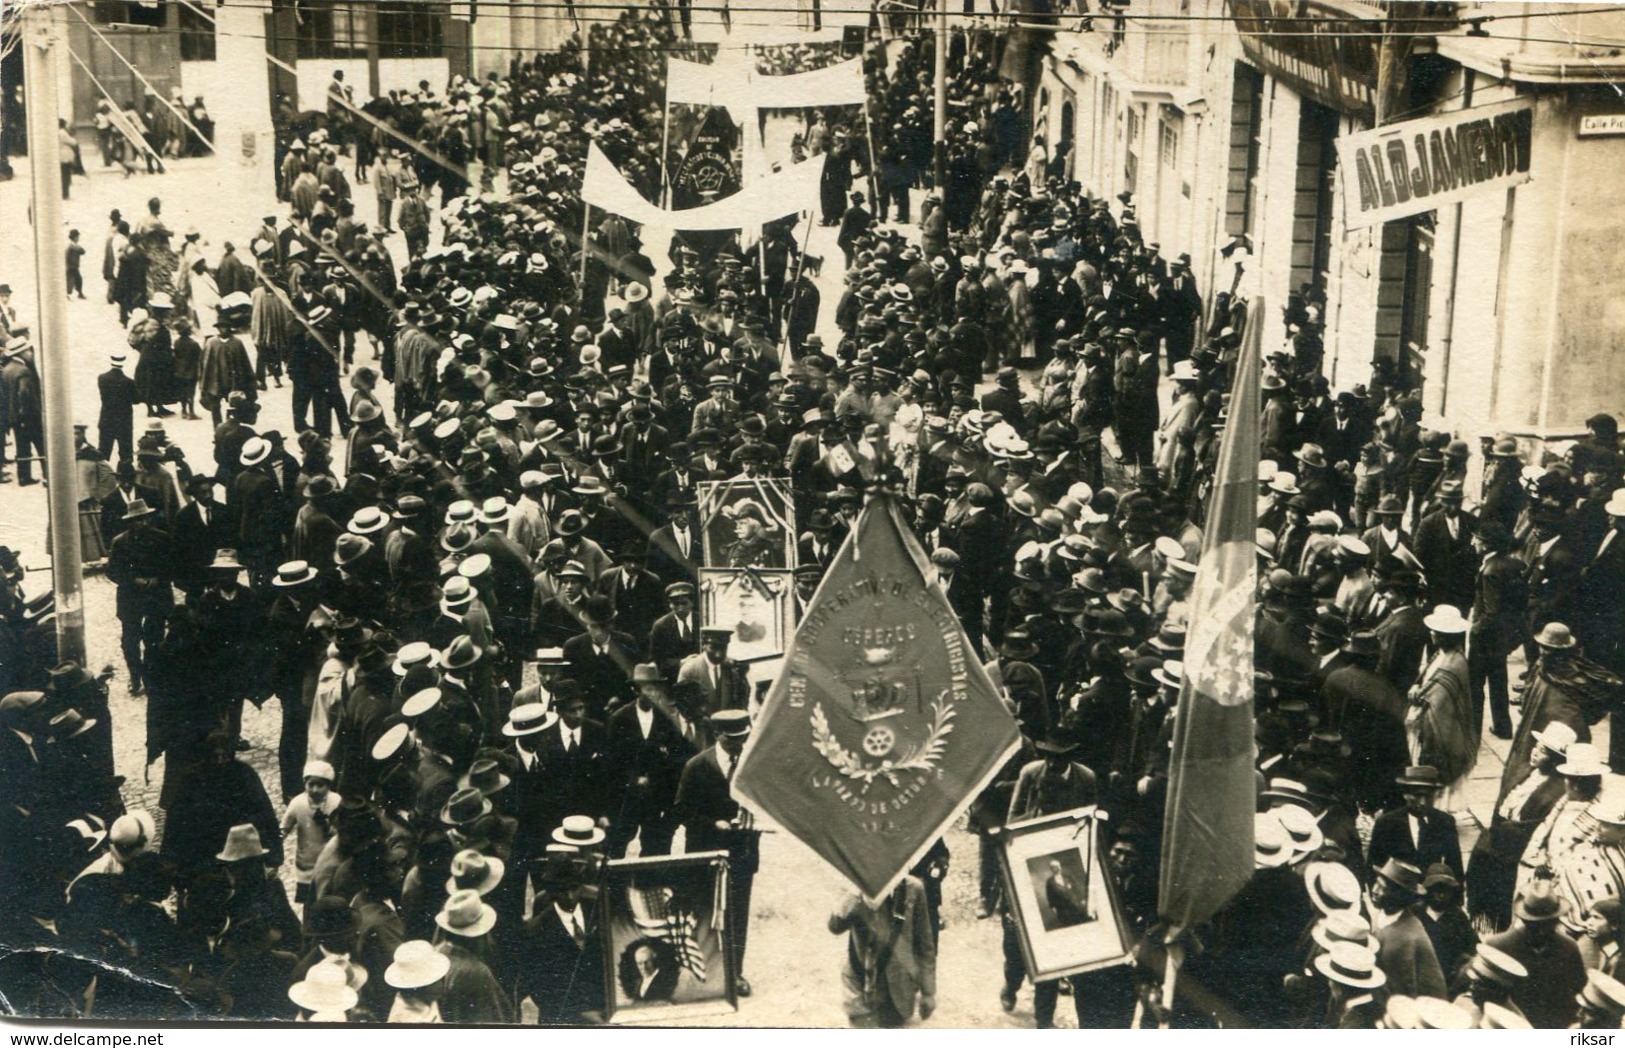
(921, 758)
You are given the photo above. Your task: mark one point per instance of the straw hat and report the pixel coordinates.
(325, 988)
(417, 964)
(465, 915)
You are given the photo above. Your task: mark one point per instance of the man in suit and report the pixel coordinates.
(714, 821)
(1404, 951)
(1444, 545)
(1005, 398)
(1401, 632)
(201, 528)
(560, 958)
(816, 545)
(675, 635)
(572, 756)
(1497, 623)
(601, 659)
(116, 422)
(1554, 573)
(723, 683)
(634, 592)
(1418, 833)
(1370, 712)
(1599, 617)
(675, 549)
(967, 604)
(646, 753)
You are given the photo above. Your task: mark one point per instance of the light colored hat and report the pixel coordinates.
(132, 832)
(466, 915)
(242, 842)
(1344, 926)
(417, 964)
(1557, 737)
(578, 830)
(319, 770)
(1272, 846)
(255, 450)
(470, 869)
(1582, 759)
(1351, 965)
(325, 988)
(1446, 618)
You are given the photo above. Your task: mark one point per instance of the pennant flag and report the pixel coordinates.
(883, 725)
(1207, 844)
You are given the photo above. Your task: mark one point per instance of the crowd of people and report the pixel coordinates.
(478, 615)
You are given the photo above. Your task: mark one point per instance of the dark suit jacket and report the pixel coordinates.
(1451, 564)
(659, 758)
(1403, 637)
(562, 978)
(668, 648)
(118, 398)
(605, 679)
(574, 783)
(1391, 839)
(196, 543)
(1599, 618)
(703, 799)
(1033, 797)
(668, 562)
(637, 608)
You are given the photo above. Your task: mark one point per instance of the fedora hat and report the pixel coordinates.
(1284, 483)
(242, 842)
(473, 871)
(486, 776)
(325, 990)
(579, 831)
(330, 917)
(461, 653)
(530, 718)
(1018, 644)
(1363, 642)
(466, 915)
(137, 509)
(647, 673)
(1402, 875)
(1557, 737)
(1311, 455)
(1582, 759)
(1539, 903)
(132, 832)
(464, 806)
(1446, 618)
(417, 964)
(1420, 776)
(1351, 965)
(1556, 636)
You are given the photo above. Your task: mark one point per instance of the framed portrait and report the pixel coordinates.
(663, 934)
(1062, 895)
(756, 605)
(747, 523)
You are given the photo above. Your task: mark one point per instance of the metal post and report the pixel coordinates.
(42, 35)
(939, 108)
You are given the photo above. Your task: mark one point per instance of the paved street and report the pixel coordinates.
(794, 962)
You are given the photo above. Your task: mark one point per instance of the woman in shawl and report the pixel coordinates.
(1492, 871)
(1551, 849)
(271, 326)
(1020, 315)
(154, 238)
(1440, 724)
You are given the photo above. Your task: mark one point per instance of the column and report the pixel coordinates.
(242, 115)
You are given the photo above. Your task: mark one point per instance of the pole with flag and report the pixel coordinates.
(1207, 843)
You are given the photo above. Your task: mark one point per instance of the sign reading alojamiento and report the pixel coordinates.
(1417, 165)
(882, 726)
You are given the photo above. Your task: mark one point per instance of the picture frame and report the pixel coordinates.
(756, 605)
(748, 523)
(1061, 893)
(663, 928)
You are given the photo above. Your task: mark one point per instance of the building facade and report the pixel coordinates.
(1225, 122)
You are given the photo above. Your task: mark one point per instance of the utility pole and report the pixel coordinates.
(939, 109)
(41, 39)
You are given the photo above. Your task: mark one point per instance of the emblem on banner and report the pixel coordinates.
(885, 712)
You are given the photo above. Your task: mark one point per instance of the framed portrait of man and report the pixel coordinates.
(1062, 895)
(663, 936)
(747, 523)
(756, 605)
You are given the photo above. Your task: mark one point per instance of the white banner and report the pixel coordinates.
(736, 84)
(1418, 165)
(781, 193)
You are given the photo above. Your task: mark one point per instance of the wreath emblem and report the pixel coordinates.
(921, 758)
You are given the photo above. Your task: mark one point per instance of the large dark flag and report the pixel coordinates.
(1207, 845)
(883, 725)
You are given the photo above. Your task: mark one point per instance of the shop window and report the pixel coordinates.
(1246, 110)
(331, 30)
(410, 30)
(130, 12)
(197, 35)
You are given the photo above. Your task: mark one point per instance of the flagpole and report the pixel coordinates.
(586, 243)
(1170, 979)
(665, 149)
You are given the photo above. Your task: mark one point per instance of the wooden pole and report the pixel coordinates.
(586, 243)
(665, 147)
(41, 37)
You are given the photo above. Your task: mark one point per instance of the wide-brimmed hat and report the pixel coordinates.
(1402, 875)
(530, 718)
(1363, 642)
(1582, 759)
(255, 450)
(1495, 964)
(731, 723)
(485, 775)
(1272, 845)
(461, 653)
(367, 520)
(349, 549)
(578, 831)
(1018, 644)
(466, 915)
(1540, 903)
(417, 964)
(242, 842)
(1446, 618)
(136, 509)
(475, 872)
(330, 917)
(1344, 926)
(1333, 887)
(325, 989)
(1302, 827)
(1555, 635)
(464, 806)
(1557, 737)
(1351, 965)
(1420, 776)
